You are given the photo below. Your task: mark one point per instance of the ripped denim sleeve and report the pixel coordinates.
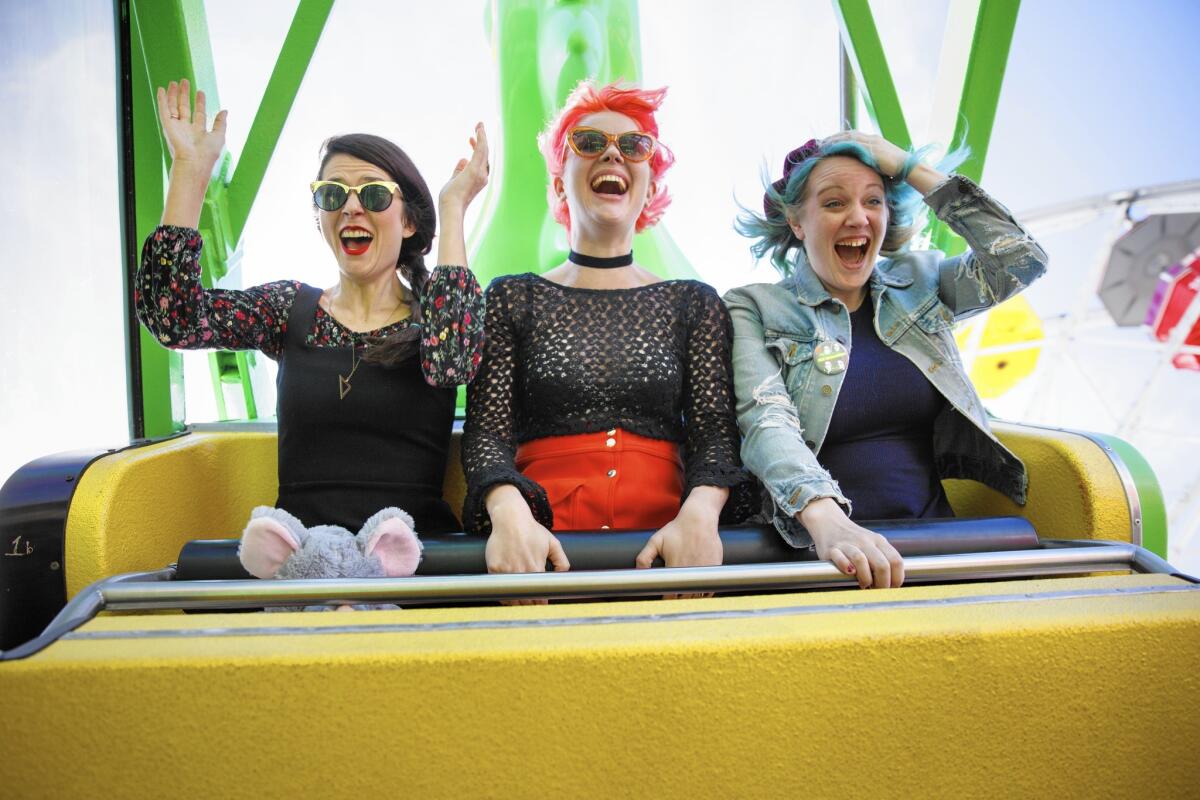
(1003, 260)
(774, 449)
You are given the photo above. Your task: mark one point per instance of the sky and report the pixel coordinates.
(1099, 96)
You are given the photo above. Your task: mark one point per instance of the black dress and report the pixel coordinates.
(340, 460)
(343, 455)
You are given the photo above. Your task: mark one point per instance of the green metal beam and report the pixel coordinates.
(860, 38)
(994, 25)
(170, 40)
(276, 104)
(161, 369)
(848, 86)
(985, 75)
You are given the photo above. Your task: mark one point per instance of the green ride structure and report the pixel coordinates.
(1057, 658)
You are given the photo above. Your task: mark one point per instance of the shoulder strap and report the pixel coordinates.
(303, 313)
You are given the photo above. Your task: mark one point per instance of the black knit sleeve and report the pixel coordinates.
(489, 435)
(712, 446)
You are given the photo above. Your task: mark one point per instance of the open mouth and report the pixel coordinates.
(609, 184)
(355, 241)
(852, 252)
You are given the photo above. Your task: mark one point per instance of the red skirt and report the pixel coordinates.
(608, 480)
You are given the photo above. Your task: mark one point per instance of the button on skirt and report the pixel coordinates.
(610, 480)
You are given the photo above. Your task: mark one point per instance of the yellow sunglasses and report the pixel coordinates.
(374, 196)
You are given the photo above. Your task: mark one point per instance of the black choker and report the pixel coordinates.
(601, 263)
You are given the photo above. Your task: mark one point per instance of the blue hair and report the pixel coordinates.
(906, 212)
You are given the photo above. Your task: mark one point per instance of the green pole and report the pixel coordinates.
(169, 40)
(994, 25)
(863, 48)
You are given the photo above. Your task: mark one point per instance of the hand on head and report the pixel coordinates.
(888, 156)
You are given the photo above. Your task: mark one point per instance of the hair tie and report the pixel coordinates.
(790, 162)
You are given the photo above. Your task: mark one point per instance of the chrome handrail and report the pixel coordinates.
(156, 590)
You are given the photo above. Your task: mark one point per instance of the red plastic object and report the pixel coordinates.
(1178, 292)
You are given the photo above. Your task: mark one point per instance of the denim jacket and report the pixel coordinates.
(784, 404)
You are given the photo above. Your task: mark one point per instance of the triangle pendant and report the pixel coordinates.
(343, 387)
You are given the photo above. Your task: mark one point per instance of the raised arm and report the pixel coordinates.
(452, 300)
(1003, 259)
(168, 296)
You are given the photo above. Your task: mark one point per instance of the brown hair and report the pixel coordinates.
(419, 212)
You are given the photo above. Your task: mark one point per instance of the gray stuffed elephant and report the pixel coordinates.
(277, 545)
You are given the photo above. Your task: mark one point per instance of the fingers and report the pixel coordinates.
(881, 570)
(183, 101)
(558, 556)
(460, 166)
(479, 148)
(479, 142)
(878, 567)
(200, 118)
(896, 561)
(653, 548)
(841, 562)
(219, 122)
(862, 566)
(163, 113)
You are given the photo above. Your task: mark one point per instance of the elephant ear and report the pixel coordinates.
(390, 538)
(266, 545)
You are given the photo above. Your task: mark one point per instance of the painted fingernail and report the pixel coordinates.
(850, 570)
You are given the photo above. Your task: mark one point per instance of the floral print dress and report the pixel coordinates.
(182, 314)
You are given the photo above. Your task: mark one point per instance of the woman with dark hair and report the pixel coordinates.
(851, 396)
(604, 400)
(367, 367)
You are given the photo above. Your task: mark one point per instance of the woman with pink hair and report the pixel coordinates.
(604, 400)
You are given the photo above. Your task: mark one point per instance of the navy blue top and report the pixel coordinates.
(879, 447)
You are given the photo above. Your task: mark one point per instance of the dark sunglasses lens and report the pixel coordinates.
(636, 146)
(329, 197)
(590, 143)
(375, 197)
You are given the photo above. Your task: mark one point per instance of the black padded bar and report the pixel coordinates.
(462, 554)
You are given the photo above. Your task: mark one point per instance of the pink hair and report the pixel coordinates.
(637, 104)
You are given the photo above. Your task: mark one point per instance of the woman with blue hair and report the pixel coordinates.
(851, 397)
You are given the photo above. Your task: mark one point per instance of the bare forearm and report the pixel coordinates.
(186, 187)
(452, 247)
(705, 502)
(924, 177)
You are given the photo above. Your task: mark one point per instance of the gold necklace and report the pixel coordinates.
(344, 386)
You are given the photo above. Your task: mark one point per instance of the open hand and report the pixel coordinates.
(186, 130)
(469, 176)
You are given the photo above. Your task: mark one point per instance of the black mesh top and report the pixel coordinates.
(653, 360)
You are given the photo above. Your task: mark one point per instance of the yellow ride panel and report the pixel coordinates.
(1081, 687)
(1075, 491)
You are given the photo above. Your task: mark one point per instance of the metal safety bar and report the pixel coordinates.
(156, 590)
